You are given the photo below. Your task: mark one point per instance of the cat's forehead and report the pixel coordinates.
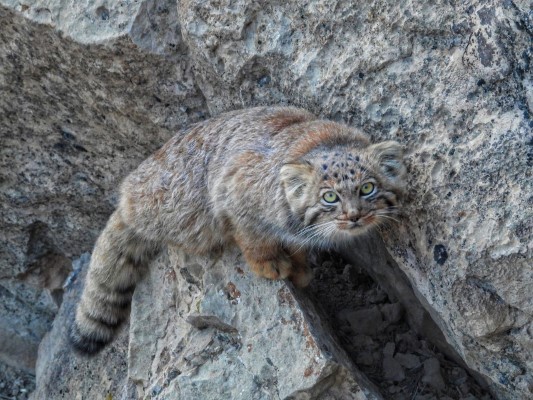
(343, 168)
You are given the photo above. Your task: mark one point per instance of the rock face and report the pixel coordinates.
(75, 119)
(204, 329)
(95, 87)
(61, 373)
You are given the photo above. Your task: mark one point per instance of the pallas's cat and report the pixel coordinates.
(275, 181)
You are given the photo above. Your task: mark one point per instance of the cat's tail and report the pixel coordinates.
(119, 260)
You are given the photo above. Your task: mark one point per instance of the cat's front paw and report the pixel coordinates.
(278, 268)
(301, 277)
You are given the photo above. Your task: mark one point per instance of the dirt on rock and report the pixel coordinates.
(15, 384)
(373, 329)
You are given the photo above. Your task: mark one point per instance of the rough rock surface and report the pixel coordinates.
(74, 120)
(15, 384)
(205, 329)
(61, 374)
(88, 94)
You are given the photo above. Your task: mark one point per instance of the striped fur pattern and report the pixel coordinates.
(256, 178)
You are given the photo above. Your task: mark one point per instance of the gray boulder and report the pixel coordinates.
(87, 90)
(204, 329)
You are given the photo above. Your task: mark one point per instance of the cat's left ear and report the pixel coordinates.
(389, 157)
(296, 179)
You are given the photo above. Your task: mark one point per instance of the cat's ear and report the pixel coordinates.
(389, 157)
(296, 180)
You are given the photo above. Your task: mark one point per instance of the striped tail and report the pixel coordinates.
(119, 261)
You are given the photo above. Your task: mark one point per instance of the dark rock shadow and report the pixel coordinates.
(385, 329)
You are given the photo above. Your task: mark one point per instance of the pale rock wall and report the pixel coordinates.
(74, 120)
(90, 93)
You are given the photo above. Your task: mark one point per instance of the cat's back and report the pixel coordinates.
(221, 137)
(179, 178)
(248, 129)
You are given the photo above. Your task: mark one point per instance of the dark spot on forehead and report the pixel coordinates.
(324, 167)
(356, 158)
(335, 175)
(345, 177)
(352, 171)
(342, 165)
(326, 177)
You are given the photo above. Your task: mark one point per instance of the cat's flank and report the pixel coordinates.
(274, 181)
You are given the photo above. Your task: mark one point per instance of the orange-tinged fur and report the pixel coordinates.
(255, 178)
(285, 118)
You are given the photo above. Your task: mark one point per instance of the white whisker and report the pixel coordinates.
(387, 217)
(315, 234)
(311, 228)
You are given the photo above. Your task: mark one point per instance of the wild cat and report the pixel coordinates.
(272, 180)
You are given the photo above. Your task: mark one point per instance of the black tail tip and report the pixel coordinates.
(84, 345)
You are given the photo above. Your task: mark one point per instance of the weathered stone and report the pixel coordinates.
(364, 322)
(392, 313)
(408, 360)
(265, 332)
(268, 345)
(74, 120)
(392, 369)
(432, 375)
(485, 54)
(452, 82)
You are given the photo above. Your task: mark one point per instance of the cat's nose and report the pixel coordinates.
(353, 216)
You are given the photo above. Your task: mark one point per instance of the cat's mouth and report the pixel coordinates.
(355, 224)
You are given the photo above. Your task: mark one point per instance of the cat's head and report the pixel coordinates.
(342, 191)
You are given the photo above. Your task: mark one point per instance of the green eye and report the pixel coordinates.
(330, 197)
(367, 188)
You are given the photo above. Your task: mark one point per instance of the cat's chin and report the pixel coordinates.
(346, 234)
(355, 228)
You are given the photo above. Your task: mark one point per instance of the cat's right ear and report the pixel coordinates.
(296, 179)
(389, 156)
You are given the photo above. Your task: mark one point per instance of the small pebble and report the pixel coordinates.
(432, 375)
(392, 370)
(407, 342)
(366, 321)
(376, 296)
(388, 350)
(409, 361)
(365, 358)
(392, 312)
(464, 388)
(458, 376)
(394, 389)
(364, 341)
